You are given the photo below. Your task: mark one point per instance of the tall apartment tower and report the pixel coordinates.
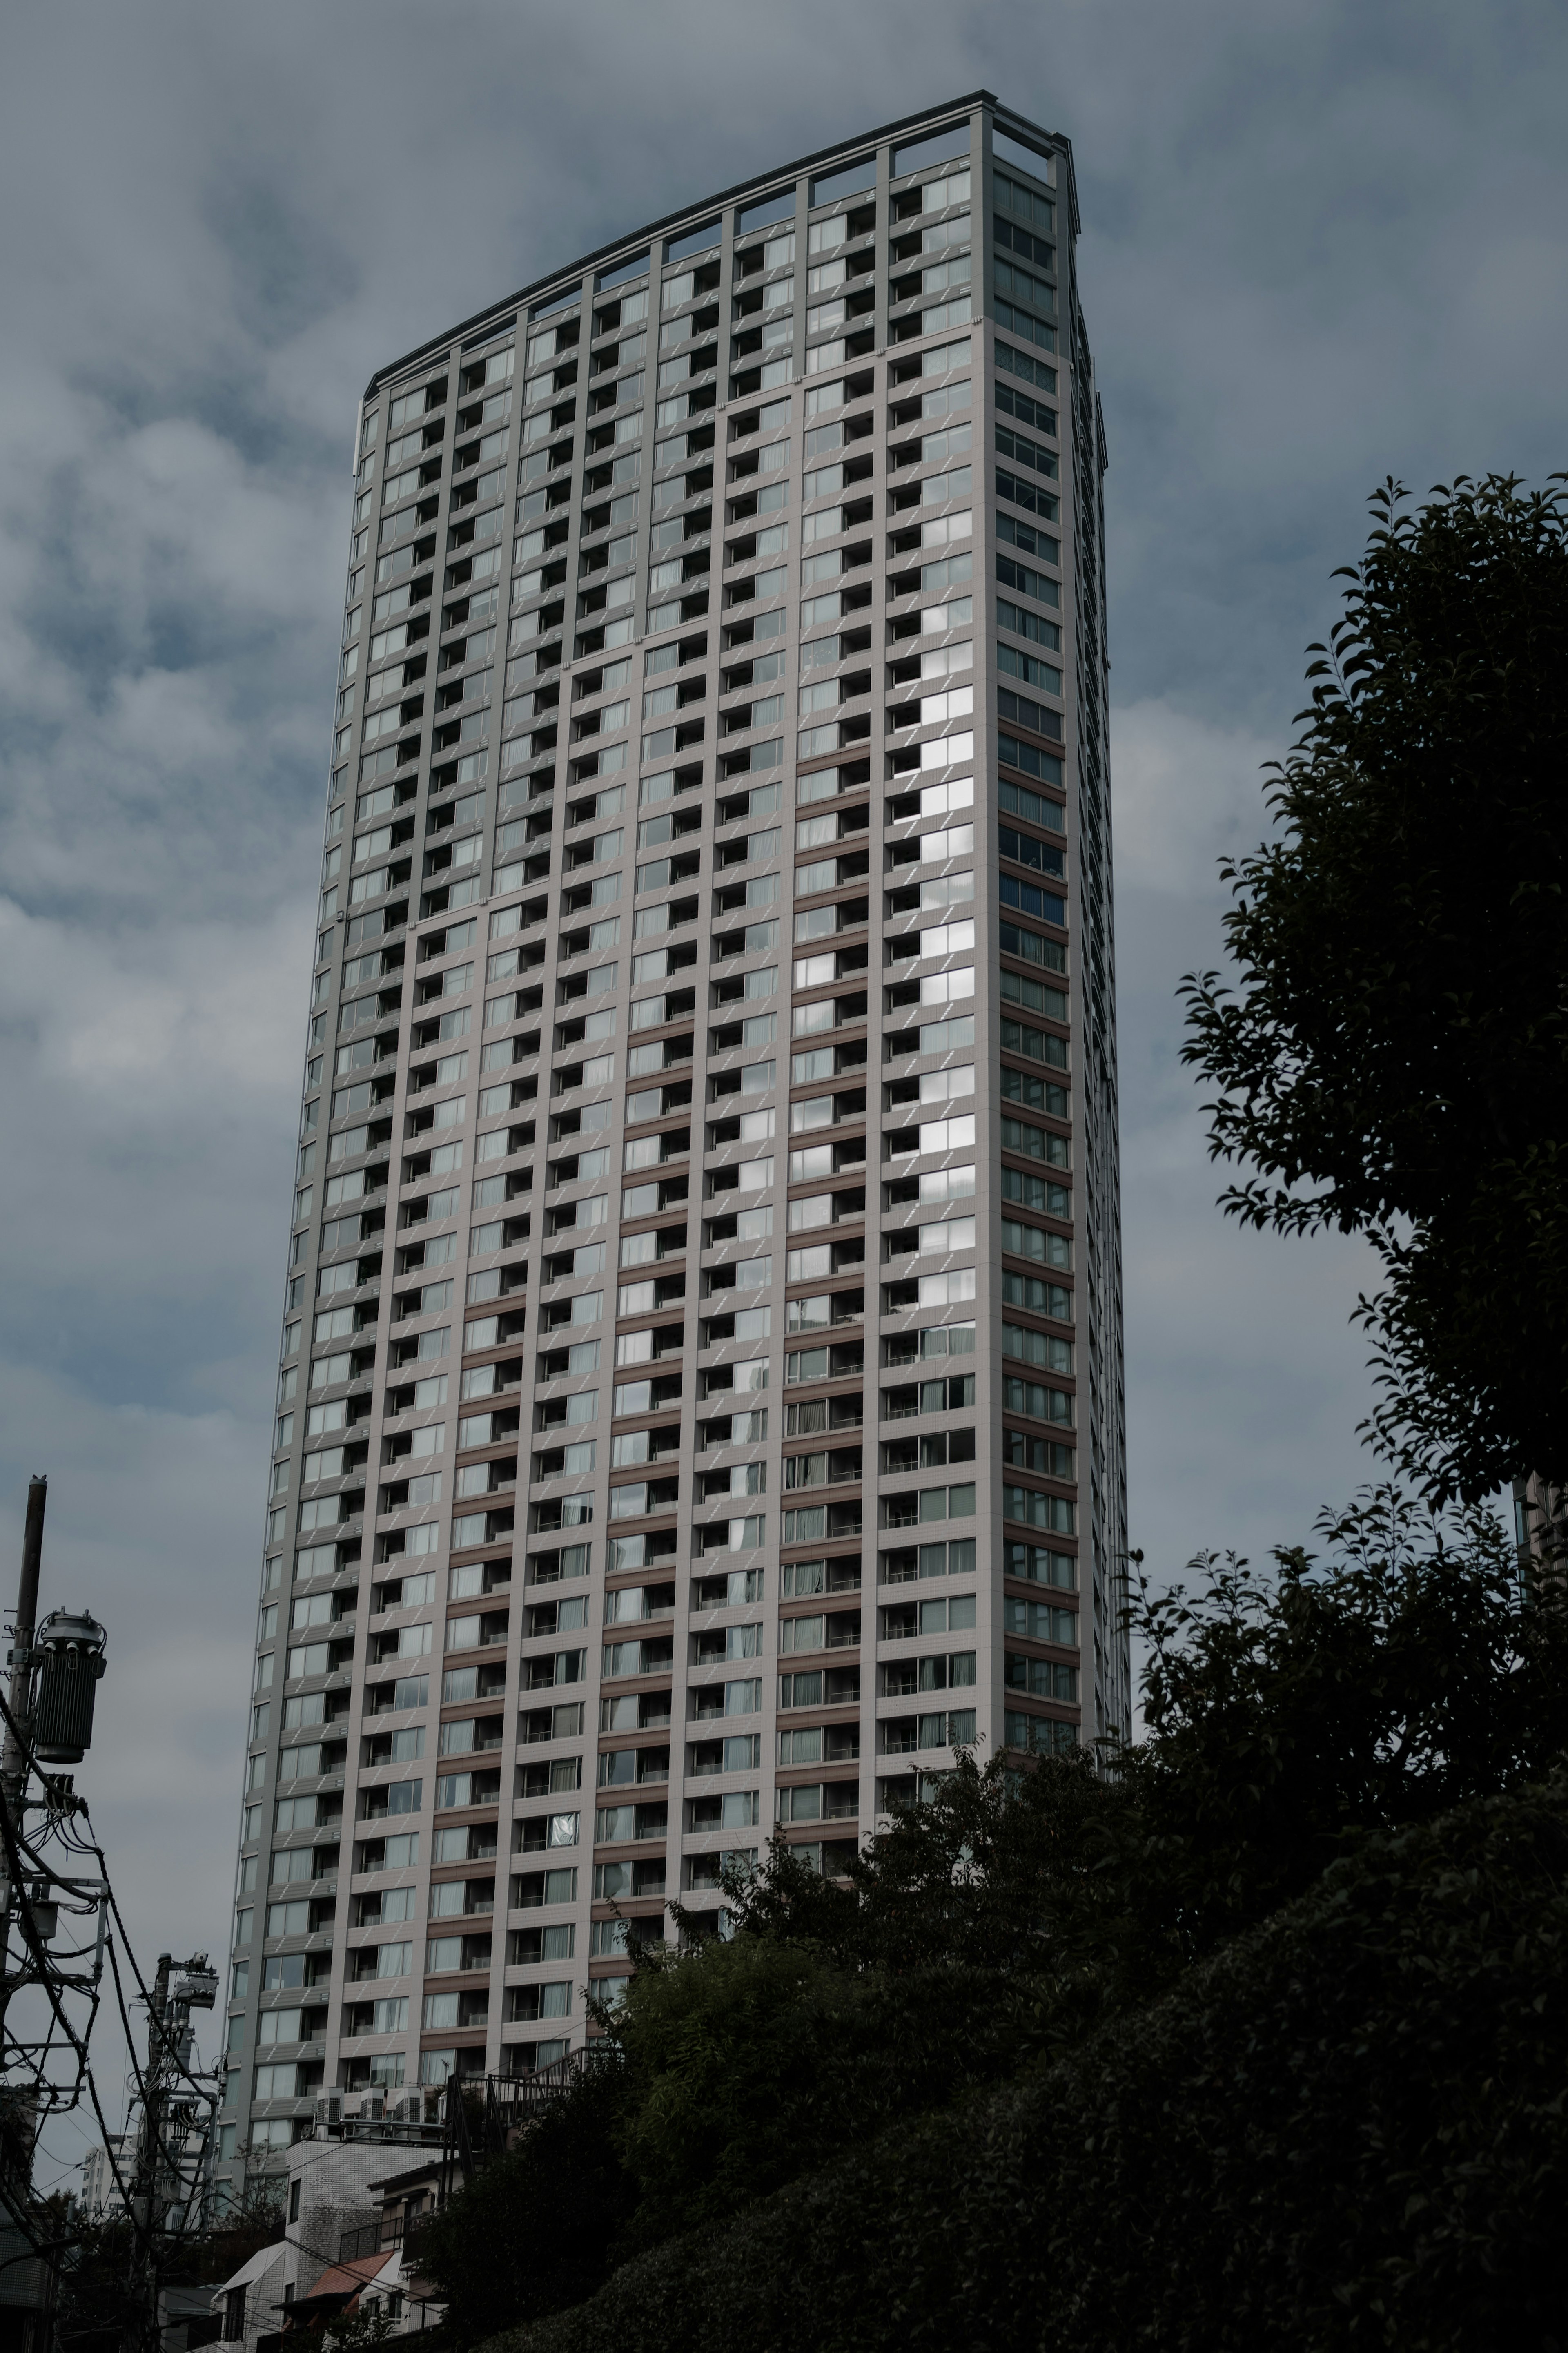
(700, 1404)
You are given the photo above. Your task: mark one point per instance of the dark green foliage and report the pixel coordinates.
(998, 1933)
(358, 2328)
(1394, 1677)
(98, 2261)
(728, 2064)
(973, 1933)
(1394, 1060)
(970, 1875)
(257, 2221)
(534, 2230)
(1346, 2128)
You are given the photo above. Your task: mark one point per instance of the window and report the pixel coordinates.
(1018, 1136)
(529, 2002)
(1034, 1509)
(1040, 1621)
(954, 1233)
(541, 1887)
(1045, 591)
(1033, 1397)
(1016, 195)
(1044, 504)
(1039, 1297)
(1018, 322)
(936, 1340)
(951, 1613)
(1041, 1678)
(913, 1562)
(927, 1503)
(954, 1670)
(1026, 624)
(1030, 1241)
(733, 1810)
(928, 1451)
(1041, 675)
(1037, 1734)
(1030, 370)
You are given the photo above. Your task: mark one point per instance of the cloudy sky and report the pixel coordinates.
(1322, 243)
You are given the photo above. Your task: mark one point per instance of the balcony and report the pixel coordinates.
(842, 1467)
(826, 1311)
(375, 2238)
(825, 1415)
(838, 1630)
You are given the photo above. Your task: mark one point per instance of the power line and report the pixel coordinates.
(54, 1669)
(139, 2079)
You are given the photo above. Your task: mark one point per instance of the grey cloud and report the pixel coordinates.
(1322, 243)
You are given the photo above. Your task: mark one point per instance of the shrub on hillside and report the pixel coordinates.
(565, 2178)
(1348, 2126)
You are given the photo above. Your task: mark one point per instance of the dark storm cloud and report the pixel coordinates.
(1322, 243)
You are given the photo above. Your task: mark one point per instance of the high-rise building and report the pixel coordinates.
(100, 2194)
(701, 1406)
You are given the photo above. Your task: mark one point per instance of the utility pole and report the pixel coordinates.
(13, 1759)
(54, 1671)
(166, 2141)
(17, 2167)
(146, 2206)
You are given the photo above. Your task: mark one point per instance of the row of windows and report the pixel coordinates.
(803, 1679)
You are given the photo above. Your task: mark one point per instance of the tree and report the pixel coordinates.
(993, 1929)
(99, 2257)
(1393, 1060)
(1344, 2129)
(1399, 1674)
(359, 2327)
(540, 2227)
(983, 1927)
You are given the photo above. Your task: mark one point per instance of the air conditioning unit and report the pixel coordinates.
(329, 2108)
(408, 2110)
(373, 2107)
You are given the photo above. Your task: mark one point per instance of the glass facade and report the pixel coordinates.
(699, 1406)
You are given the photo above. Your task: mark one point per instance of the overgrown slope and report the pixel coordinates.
(1347, 2127)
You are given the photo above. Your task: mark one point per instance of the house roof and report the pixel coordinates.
(410, 2180)
(254, 2268)
(342, 2282)
(391, 2275)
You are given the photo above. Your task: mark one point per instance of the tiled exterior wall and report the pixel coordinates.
(700, 1398)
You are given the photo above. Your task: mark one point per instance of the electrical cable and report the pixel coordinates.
(33, 1942)
(137, 2076)
(96, 1853)
(17, 1843)
(193, 2080)
(77, 2042)
(15, 1840)
(170, 2050)
(31, 1937)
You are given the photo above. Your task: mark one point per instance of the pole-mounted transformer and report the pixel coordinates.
(68, 1652)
